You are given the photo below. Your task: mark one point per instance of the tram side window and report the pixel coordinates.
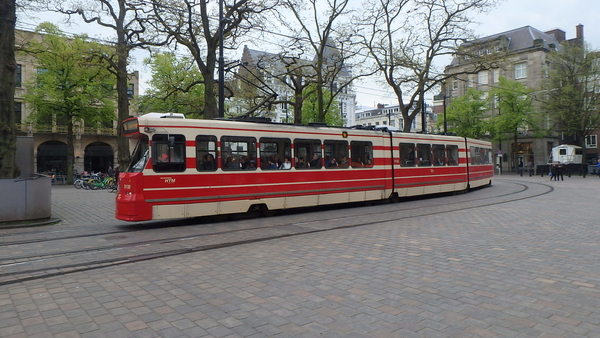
(168, 153)
(206, 153)
(308, 154)
(361, 154)
(407, 154)
(275, 153)
(237, 152)
(336, 154)
(485, 155)
(424, 154)
(439, 155)
(452, 154)
(474, 151)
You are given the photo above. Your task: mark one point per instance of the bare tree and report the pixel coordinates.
(290, 74)
(195, 25)
(8, 65)
(404, 37)
(321, 31)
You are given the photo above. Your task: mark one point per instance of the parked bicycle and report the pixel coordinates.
(101, 183)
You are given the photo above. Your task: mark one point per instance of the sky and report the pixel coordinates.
(544, 15)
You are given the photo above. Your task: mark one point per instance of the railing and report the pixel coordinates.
(44, 128)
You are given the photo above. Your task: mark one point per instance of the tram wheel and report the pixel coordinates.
(395, 198)
(220, 218)
(266, 212)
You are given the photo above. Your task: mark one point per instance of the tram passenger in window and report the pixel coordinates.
(343, 162)
(286, 164)
(164, 157)
(451, 161)
(211, 164)
(234, 164)
(369, 163)
(315, 162)
(332, 163)
(202, 164)
(357, 163)
(276, 160)
(208, 163)
(271, 164)
(301, 164)
(244, 161)
(251, 165)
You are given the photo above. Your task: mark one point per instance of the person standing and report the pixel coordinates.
(560, 168)
(598, 170)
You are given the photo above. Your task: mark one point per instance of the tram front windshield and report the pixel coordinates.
(140, 156)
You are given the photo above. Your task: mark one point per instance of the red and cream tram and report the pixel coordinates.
(189, 168)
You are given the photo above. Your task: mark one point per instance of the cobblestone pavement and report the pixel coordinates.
(527, 268)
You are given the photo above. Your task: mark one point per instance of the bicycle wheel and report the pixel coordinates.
(78, 184)
(94, 184)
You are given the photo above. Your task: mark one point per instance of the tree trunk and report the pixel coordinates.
(8, 132)
(298, 103)
(211, 110)
(122, 99)
(70, 151)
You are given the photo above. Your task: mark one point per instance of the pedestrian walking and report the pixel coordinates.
(553, 171)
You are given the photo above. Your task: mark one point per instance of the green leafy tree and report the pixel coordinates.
(176, 86)
(311, 109)
(8, 65)
(466, 115)
(571, 92)
(517, 114)
(72, 85)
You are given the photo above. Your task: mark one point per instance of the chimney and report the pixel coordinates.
(380, 106)
(579, 30)
(558, 34)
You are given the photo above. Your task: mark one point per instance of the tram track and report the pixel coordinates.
(143, 226)
(22, 268)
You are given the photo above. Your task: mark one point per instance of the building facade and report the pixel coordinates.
(391, 116)
(521, 55)
(95, 147)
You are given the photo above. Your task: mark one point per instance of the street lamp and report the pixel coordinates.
(221, 64)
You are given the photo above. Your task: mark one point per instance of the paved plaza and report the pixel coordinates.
(528, 266)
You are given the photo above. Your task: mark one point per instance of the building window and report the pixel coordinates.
(482, 77)
(454, 84)
(591, 141)
(470, 80)
(496, 75)
(18, 110)
(18, 75)
(130, 91)
(521, 70)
